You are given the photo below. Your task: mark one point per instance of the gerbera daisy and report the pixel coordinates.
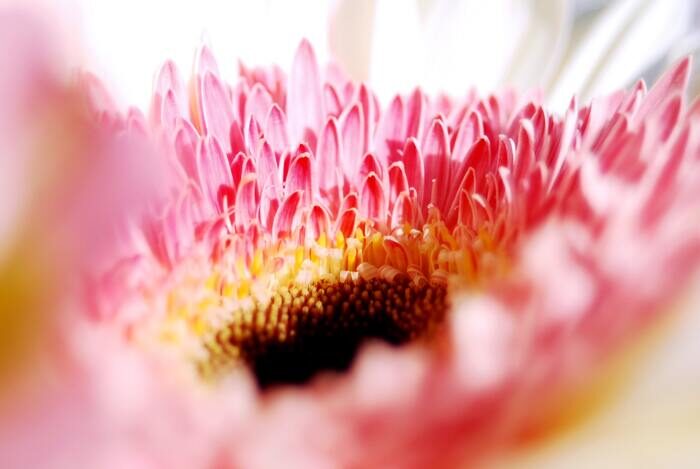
(326, 282)
(504, 243)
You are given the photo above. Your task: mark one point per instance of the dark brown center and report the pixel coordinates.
(305, 330)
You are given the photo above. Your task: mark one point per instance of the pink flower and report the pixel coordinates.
(326, 283)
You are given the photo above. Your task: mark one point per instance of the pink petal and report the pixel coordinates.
(186, 142)
(247, 201)
(169, 95)
(236, 139)
(372, 202)
(390, 134)
(367, 104)
(404, 211)
(258, 103)
(413, 164)
(170, 111)
(332, 101)
(268, 173)
(304, 98)
(205, 62)
(318, 222)
(467, 211)
(328, 154)
(269, 203)
(436, 158)
(301, 178)
(350, 201)
(666, 177)
(370, 164)
(276, 129)
(565, 142)
(352, 123)
(252, 134)
(239, 98)
(540, 125)
(524, 151)
(236, 165)
(287, 216)
(213, 168)
(415, 114)
(217, 114)
(674, 81)
(168, 79)
(471, 129)
(347, 222)
(670, 113)
(398, 182)
(478, 157)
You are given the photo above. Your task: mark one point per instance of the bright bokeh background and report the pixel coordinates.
(563, 46)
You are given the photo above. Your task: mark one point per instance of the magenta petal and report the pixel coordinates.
(436, 158)
(246, 203)
(300, 178)
(413, 164)
(370, 164)
(318, 222)
(372, 200)
(287, 216)
(347, 221)
(477, 159)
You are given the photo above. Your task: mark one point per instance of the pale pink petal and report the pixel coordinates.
(217, 115)
(276, 129)
(304, 98)
(259, 103)
(352, 124)
(329, 155)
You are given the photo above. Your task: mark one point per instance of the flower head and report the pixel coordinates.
(508, 250)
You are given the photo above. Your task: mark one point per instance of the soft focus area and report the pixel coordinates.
(350, 233)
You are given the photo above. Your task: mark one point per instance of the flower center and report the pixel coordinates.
(304, 330)
(290, 308)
